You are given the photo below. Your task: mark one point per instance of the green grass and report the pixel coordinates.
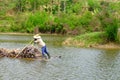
(91, 38)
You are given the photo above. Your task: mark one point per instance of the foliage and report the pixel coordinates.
(111, 30)
(34, 20)
(20, 5)
(59, 16)
(86, 18)
(91, 38)
(93, 5)
(109, 22)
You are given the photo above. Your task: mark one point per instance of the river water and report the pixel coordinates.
(74, 64)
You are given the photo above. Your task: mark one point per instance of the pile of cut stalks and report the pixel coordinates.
(27, 52)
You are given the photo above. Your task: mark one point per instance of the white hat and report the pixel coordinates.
(37, 36)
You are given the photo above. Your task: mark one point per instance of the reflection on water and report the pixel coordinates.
(75, 63)
(108, 66)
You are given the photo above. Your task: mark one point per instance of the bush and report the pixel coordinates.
(86, 18)
(111, 30)
(38, 19)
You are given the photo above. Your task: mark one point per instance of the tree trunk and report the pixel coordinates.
(64, 6)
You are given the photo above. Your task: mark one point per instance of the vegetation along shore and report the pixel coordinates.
(92, 22)
(92, 40)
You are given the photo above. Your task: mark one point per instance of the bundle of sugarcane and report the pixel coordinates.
(29, 52)
(2, 52)
(8, 52)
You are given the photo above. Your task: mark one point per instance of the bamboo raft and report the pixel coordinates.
(27, 52)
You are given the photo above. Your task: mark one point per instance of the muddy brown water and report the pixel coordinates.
(75, 63)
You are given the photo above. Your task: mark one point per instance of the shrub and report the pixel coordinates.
(111, 30)
(86, 18)
(38, 19)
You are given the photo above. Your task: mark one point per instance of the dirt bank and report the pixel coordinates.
(109, 45)
(76, 43)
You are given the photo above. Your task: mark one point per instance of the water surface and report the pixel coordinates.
(75, 63)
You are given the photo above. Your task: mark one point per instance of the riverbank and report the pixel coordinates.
(94, 40)
(15, 33)
(18, 33)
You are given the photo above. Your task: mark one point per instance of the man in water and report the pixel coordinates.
(38, 40)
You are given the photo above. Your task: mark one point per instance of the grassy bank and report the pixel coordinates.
(95, 39)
